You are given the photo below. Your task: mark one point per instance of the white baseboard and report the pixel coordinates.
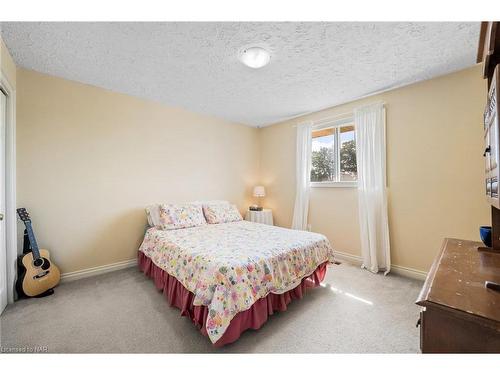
(398, 270)
(409, 272)
(94, 271)
(353, 259)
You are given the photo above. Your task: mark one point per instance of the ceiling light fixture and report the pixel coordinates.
(255, 57)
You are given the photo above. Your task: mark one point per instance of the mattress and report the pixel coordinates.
(228, 267)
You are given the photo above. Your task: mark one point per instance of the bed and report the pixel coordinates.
(230, 277)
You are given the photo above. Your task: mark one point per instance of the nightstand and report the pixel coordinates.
(264, 217)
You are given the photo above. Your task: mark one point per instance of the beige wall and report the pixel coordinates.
(7, 64)
(89, 160)
(434, 167)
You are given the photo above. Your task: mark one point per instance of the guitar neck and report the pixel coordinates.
(31, 236)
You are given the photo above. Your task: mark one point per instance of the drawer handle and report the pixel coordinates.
(419, 322)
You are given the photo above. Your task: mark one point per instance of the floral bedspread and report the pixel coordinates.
(229, 266)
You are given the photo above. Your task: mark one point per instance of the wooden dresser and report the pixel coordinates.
(460, 315)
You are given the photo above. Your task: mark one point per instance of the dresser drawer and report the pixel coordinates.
(446, 331)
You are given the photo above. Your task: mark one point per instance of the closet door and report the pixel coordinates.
(3, 245)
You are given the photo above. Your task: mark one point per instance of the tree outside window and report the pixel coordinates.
(333, 156)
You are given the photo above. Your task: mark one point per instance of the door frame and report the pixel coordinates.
(10, 186)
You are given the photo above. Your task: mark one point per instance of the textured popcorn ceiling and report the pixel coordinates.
(195, 65)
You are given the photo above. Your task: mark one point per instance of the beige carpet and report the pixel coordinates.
(355, 312)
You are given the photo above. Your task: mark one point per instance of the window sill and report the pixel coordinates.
(345, 184)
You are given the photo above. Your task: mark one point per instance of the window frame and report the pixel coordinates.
(335, 124)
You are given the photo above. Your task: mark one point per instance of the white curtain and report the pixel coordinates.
(302, 176)
(372, 195)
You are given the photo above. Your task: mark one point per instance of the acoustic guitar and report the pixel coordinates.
(37, 273)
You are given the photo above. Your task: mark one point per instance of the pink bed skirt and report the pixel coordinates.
(253, 318)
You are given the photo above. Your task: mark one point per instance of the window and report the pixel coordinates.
(333, 159)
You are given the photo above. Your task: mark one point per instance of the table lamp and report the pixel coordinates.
(259, 192)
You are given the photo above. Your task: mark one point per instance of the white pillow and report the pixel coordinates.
(153, 215)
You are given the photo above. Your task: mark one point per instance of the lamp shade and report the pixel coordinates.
(259, 191)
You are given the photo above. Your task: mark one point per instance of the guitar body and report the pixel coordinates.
(39, 274)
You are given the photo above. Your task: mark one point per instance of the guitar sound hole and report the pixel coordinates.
(38, 262)
(46, 264)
